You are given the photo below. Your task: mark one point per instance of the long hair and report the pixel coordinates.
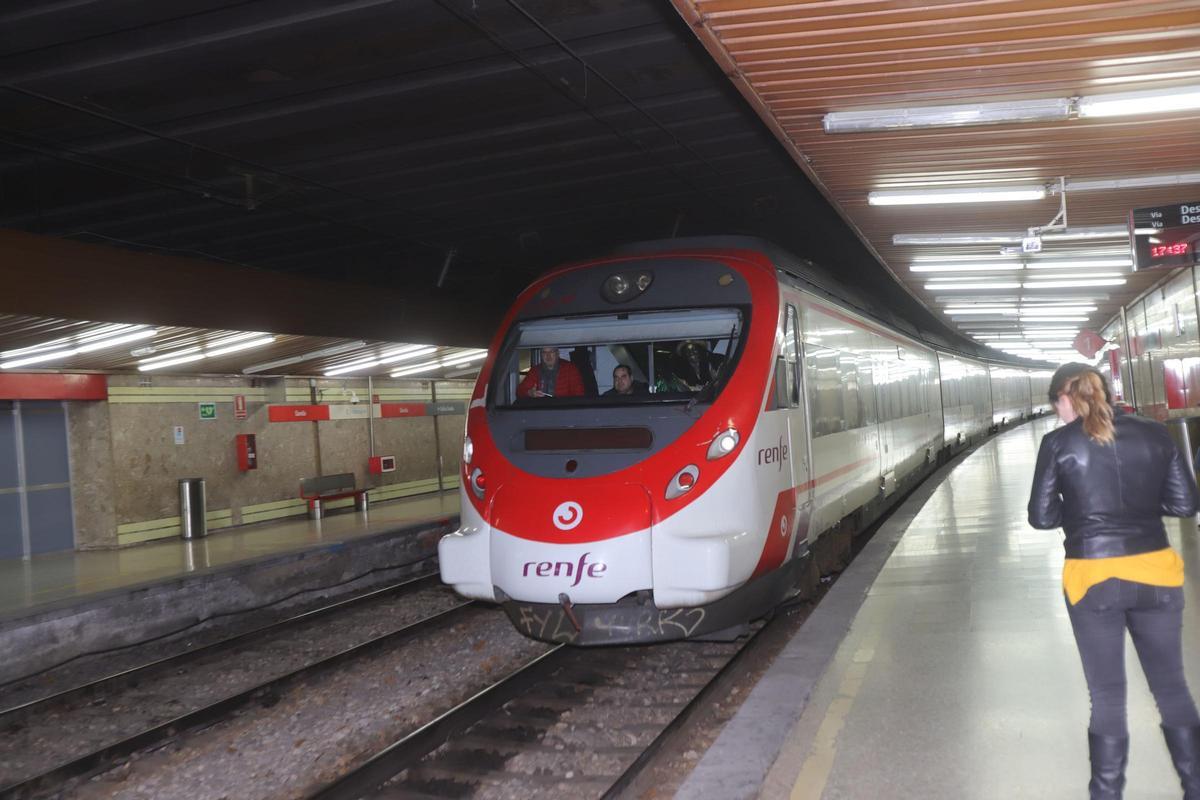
(1089, 398)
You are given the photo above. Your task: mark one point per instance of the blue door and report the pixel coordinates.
(11, 523)
(35, 479)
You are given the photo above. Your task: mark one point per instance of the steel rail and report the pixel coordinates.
(701, 700)
(209, 714)
(108, 681)
(407, 752)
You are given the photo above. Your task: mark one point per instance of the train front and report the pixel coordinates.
(603, 477)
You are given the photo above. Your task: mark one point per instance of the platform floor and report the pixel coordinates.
(953, 671)
(57, 577)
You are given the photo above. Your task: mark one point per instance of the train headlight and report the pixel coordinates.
(724, 444)
(623, 287)
(683, 482)
(468, 450)
(478, 482)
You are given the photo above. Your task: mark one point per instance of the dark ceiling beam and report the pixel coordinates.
(61, 278)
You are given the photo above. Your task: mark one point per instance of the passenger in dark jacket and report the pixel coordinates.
(1107, 479)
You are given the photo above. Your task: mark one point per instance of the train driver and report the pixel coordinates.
(693, 366)
(623, 383)
(551, 378)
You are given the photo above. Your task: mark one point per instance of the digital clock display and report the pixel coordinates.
(1164, 250)
(1165, 237)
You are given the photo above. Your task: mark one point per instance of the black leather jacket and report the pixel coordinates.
(1110, 499)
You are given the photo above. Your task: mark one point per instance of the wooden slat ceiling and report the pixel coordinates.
(23, 337)
(796, 61)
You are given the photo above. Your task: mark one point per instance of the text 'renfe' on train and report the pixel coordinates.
(769, 420)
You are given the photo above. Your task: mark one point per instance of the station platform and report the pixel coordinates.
(58, 606)
(941, 664)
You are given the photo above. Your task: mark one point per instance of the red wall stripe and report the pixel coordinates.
(52, 386)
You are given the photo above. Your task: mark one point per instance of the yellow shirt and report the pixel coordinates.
(1159, 568)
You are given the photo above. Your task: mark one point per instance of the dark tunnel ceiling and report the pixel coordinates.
(364, 141)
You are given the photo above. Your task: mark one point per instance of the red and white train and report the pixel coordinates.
(768, 418)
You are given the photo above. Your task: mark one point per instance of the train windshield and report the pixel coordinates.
(618, 359)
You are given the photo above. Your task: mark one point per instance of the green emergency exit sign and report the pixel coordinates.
(208, 411)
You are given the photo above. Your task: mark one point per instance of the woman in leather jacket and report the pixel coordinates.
(1107, 479)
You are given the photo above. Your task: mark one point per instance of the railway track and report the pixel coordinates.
(572, 723)
(90, 709)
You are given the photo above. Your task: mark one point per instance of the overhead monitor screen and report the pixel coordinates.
(1165, 237)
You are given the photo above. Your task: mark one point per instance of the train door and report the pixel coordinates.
(890, 400)
(798, 428)
(793, 402)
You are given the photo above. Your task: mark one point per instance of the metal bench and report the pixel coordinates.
(317, 491)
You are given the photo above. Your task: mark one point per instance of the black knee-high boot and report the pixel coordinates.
(1184, 744)
(1109, 756)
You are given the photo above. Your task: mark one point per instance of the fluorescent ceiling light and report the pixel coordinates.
(981, 267)
(970, 286)
(464, 358)
(1083, 233)
(171, 355)
(947, 115)
(992, 312)
(1057, 319)
(1075, 283)
(404, 354)
(1054, 109)
(170, 362)
(233, 348)
(100, 344)
(111, 336)
(1052, 329)
(952, 279)
(1155, 101)
(1040, 279)
(1171, 55)
(455, 360)
(53, 355)
(1088, 263)
(371, 362)
(941, 196)
(416, 369)
(1156, 76)
(325, 352)
(1139, 182)
(223, 346)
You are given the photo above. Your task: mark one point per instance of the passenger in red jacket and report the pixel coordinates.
(552, 378)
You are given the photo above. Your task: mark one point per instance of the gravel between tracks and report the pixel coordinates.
(317, 731)
(580, 727)
(82, 670)
(165, 693)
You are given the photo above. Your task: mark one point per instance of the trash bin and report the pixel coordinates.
(1186, 433)
(315, 511)
(193, 520)
(361, 502)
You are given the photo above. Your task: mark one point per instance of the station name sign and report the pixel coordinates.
(1165, 237)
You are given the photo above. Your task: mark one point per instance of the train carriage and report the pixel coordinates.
(767, 418)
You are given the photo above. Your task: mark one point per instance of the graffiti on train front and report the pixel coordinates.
(620, 624)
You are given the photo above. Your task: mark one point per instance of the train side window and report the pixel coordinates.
(791, 357)
(851, 397)
(822, 377)
(866, 392)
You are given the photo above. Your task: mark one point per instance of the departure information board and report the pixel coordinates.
(1165, 237)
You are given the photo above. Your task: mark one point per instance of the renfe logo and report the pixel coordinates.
(567, 516)
(774, 455)
(566, 569)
